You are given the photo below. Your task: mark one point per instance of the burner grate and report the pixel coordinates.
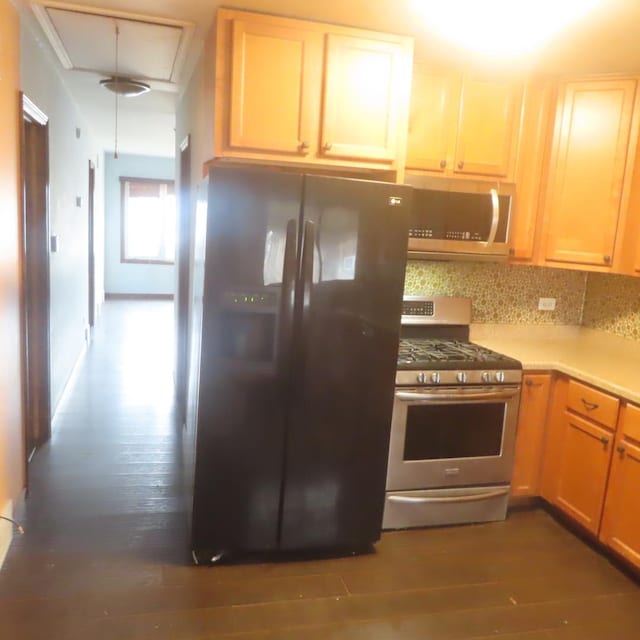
(431, 351)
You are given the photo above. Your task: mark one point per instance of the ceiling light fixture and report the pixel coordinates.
(125, 86)
(502, 27)
(121, 86)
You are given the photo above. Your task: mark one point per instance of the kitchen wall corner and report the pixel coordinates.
(502, 293)
(612, 304)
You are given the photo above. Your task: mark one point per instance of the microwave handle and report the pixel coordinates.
(495, 205)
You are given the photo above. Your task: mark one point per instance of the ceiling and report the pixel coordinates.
(159, 42)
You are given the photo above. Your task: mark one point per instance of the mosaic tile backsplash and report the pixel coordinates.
(502, 293)
(612, 304)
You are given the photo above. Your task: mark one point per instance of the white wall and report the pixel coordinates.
(131, 278)
(71, 147)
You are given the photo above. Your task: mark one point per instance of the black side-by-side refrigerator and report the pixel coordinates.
(297, 287)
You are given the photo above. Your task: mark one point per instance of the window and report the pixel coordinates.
(148, 219)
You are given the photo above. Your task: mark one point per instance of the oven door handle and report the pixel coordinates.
(475, 497)
(457, 396)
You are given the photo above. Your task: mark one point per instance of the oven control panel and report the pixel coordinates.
(417, 307)
(436, 310)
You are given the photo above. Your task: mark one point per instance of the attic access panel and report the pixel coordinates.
(84, 39)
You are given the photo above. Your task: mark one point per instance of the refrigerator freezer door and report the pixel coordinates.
(349, 304)
(252, 228)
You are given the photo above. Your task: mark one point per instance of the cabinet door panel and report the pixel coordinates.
(530, 438)
(486, 127)
(621, 523)
(432, 120)
(363, 87)
(588, 170)
(584, 465)
(275, 75)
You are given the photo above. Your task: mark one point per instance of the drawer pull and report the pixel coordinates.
(531, 383)
(589, 406)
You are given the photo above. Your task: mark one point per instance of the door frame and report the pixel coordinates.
(91, 317)
(182, 278)
(35, 289)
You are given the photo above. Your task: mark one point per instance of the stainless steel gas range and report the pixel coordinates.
(454, 421)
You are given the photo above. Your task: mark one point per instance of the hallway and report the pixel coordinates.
(105, 553)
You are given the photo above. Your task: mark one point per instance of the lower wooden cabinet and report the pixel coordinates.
(582, 470)
(621, 520)
(534, 400)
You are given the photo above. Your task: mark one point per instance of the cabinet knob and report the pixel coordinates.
(620, 449)
(443, 164)
(303, 147)
(460, 164)
(607, 259)
(605, 441)
(327, 146)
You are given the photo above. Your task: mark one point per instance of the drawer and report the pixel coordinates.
(631, 422)
(593, 404)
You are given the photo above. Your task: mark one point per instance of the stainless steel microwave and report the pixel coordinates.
(453, 219)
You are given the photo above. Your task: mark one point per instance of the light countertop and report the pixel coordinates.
(606, 361)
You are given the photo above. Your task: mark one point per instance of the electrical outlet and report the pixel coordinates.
(546, 304)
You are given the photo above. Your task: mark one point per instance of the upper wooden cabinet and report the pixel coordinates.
(274, 86)
(295, 91)
(588, 180)
(463, 126)
(531, 160)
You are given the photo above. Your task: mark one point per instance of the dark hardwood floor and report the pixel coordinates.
(105, 556)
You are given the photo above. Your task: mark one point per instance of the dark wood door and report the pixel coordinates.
(35, 228)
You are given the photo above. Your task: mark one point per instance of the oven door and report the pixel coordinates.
(452, 436)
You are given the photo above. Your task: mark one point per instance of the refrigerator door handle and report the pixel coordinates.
(287, 302)
(308, 244)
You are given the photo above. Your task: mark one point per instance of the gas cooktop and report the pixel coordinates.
(444, 354)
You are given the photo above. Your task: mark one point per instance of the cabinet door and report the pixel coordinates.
(530, 437)
(487, 127)
(366, 83)
(584, 466)
(621, 524)
(531, 161)
(275, 87)
(432, 119)
(587, 171)
(621, 519)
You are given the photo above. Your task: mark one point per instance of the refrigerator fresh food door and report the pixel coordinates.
(249, 282)
(354, 245)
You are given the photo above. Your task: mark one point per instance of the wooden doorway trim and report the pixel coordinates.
(182, 284)
(34, 149)
(92, 248)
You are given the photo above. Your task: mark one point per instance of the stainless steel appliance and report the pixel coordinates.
(297, 292)
(461, 219)
(454, 421)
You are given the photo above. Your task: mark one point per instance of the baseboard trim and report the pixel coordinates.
(138, 296)
(6, 531)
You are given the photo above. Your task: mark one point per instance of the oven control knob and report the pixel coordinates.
(435, 377)
(486, 376)
(500, 376)
(461, 376)
(421, 377)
